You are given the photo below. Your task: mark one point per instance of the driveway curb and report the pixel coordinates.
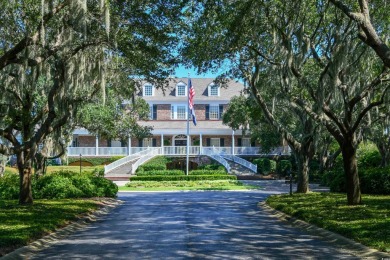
(26, 252)
(337, 240)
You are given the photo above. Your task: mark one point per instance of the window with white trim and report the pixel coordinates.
(181, 90)
(181, 112)
(246, 142)
(148, 90)
(215, 142)
(178, 112)
(213, 90)
(147, 142)
(214, 112)
(151, 112)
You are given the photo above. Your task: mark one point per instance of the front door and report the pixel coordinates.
(180, 142)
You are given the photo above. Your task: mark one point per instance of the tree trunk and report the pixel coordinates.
(348, 150)
(25, 175)
(385, 154)
(303, 173)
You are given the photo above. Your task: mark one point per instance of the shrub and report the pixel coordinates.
(212, 167)
(158, 163)
(56, 187)
(368, 156)
(183, 177)
(208, 172)
(375, 180)
(104, 187)
(160, 172)
(265, 165)
(9, 186)
(284, 167)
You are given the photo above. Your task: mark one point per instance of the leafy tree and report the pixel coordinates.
(56, 56)
(308, 51)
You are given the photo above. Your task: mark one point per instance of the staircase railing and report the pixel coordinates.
(209, 152)
(117, 163)
(241, 161)
(151, 153)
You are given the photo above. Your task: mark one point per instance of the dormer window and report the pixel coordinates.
(148, 90)
(213, 90)
(181, 90)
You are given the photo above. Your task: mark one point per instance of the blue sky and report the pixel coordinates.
(182, 72)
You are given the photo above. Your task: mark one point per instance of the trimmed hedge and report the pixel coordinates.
(208, 172)
(160, 172)
(183, 177)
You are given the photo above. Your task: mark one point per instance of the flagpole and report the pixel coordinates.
(188, 126)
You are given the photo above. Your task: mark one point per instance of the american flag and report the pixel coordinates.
(191, 94)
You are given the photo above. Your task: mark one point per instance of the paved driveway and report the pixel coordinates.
(192, 225)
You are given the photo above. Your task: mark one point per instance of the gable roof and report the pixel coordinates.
(227, 91)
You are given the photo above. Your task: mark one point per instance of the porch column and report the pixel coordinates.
(162, 143)
(233, 142)
(200, 144)
(97, 145)
(129, 146)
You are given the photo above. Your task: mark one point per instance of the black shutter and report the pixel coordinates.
(222, 142)
(220, 111)
(109, 142)
(253, 144)
(139, 142)
(154, 142)
(208, 142)
(154, 112)
(123, 143)
(239, 141)
(207, 112)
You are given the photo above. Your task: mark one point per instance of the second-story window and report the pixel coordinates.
(213, 90)
(148, 90)
(181, 90)
(181, 112)
(214, 112)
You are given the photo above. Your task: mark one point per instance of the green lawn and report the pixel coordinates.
(22, 224)
(368, 223)
(185, 185)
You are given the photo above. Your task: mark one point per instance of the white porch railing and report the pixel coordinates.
(152, 152)
(170, 150)
(117, 163)
(209, 152)
(181, 150)
(242, 162)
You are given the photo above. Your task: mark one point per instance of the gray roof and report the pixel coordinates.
(227, 91)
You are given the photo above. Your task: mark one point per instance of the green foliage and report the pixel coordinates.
(183, 178)
(59, 185)
(158, 163)
(265, 165)
(375, 180)
(212, 167)
(186, 185)
(208, 172)
(9, 186)
(368, 156)
(284, 167)
(160, 172)
(95, 161)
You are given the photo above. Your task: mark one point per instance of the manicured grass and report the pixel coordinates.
(185, 185)
(368, 223)
(22, 224)
(75, 169)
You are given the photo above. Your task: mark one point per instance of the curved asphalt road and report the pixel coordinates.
(192, 225)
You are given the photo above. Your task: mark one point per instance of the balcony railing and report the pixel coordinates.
(170, 150)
